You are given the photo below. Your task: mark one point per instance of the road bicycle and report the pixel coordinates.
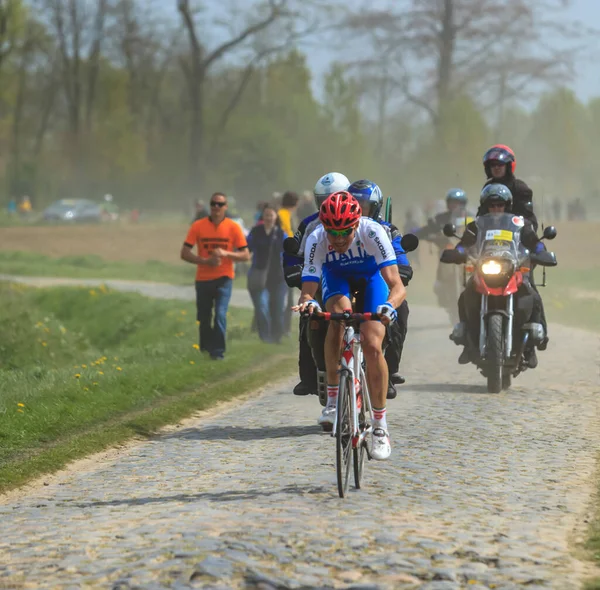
(351, 428)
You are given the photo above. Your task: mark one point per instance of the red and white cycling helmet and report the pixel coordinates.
(340, 211)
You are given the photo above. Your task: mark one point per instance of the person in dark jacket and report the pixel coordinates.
(266, 283)
(499, 163)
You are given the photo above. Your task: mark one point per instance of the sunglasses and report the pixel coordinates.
(340, 233)
(218, 203)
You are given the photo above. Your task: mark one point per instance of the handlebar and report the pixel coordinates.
(345, 316)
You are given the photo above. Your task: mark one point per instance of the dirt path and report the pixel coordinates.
(482, 491)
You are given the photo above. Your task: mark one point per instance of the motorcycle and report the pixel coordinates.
(499, 262)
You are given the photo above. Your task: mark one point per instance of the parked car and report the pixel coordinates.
(74, 211)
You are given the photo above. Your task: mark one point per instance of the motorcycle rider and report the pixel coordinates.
(499, 163)
(445, 286)
(456, 207)
(328, 184)
(345, 247)
(497, 198)
(370, 197)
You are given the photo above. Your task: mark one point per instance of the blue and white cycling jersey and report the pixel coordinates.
(370, 251)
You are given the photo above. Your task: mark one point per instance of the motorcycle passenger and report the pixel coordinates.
(328, 184)
(497, 198)
(499, 163)
(346, 246)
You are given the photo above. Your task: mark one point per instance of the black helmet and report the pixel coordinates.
(496, 193)
(457, 195)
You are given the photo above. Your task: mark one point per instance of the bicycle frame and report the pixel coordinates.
(352, 364)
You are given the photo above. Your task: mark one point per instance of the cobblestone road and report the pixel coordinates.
(482, 491)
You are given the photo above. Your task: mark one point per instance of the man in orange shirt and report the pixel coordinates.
(219, 242)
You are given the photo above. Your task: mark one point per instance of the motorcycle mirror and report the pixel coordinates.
(550, 232)
(291, 246)
(449, 230)
(409, 242)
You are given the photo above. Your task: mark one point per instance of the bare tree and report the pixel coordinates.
(79, 37)
(279, 15)
(435, 50)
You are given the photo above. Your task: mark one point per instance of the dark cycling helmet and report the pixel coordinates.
(340, 211)
(367, 191)
(456, 195)
(495, 193)
(499, 153)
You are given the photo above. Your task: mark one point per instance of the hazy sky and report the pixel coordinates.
(586, 85)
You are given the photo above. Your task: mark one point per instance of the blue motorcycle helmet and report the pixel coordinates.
(367, 192)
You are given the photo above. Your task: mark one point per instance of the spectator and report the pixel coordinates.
(557, 209)
(289, 204)
(12, 206)
(306, 206)
(260, 207)
(200, 210)
(266, 283)
(219, 243)
(25, 207)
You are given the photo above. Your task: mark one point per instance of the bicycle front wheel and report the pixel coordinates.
(358, 451)
(343, 434)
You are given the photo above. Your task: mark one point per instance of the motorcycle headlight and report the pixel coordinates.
(496, 267)
(491, 267)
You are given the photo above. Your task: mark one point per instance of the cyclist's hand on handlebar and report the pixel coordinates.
(388, 313)
(309, 306)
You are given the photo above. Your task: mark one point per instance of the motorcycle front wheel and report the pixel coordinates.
(495, 353)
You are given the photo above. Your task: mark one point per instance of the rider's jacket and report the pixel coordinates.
(432, 232)
(370, 250)
(522, 197)
(292, 264)
(529, 238)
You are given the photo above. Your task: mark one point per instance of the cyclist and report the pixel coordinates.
(370, 198)
(331, 182)
(346, 247)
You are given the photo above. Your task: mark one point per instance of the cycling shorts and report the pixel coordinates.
(375, 288)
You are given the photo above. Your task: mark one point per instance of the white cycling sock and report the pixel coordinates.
(379, 420)
(332, 393)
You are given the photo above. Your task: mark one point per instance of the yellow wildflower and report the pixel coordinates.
(93, 292)
(95, 383)
(44, 344)
(21, 411)
(192, 363)
(116, 358)
(119, 369)
(77, 375)
(47, 330)
(85, 389)
(183, 312)
(195, 346)
(21, 405)
(100, 372)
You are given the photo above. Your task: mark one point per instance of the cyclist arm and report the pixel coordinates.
(397, 293)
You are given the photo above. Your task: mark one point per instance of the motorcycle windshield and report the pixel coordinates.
(498, 236)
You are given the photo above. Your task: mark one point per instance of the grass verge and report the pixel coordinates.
(89, 266)
(84, 369)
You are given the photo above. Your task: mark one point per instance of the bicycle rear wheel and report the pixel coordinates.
(343, 434)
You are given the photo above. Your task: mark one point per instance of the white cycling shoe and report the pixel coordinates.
(327, 417)
(381, 447)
